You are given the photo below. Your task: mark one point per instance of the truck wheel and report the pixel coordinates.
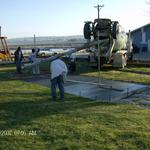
(43, 54)
(115, 29)
(87, 30)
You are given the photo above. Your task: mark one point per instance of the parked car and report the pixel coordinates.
(49, 52)
(45, 52)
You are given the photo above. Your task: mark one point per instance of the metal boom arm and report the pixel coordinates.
(86, 45)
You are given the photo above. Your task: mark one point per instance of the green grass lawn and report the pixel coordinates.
(132, 73)
(121, 76)
(138, 68)
(29, 120)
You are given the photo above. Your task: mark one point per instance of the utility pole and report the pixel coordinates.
(99, 7)
(34, 42)
(0, 30)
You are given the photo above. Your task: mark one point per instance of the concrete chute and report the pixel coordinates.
(67, 52)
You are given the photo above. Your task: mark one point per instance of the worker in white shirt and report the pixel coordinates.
(33, 59)
(72, 65)
(58, 72)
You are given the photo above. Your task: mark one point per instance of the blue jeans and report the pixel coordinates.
(54, 82)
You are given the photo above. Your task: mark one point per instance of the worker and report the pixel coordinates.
(18, 59)
(58, 73)
(72, 65)
(33, 59)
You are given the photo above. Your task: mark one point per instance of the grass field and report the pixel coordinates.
(132, 73)
(29, 120)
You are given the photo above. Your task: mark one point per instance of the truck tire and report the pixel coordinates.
(43, 54)
(115, 29)
(87, 30)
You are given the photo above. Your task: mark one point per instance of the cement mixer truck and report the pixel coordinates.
(115, 46)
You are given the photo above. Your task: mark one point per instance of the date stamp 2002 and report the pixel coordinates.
(18, 132)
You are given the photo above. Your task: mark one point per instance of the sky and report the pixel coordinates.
(24, 18)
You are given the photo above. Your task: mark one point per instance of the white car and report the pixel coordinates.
(45, 52)
(49, 52)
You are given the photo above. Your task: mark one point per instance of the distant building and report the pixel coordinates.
(141, 38)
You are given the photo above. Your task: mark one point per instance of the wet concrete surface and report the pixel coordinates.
(88, 87)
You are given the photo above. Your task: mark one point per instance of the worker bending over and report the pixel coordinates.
(58, 73)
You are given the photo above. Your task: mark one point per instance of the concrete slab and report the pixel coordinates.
(87, 87)
(116, 91)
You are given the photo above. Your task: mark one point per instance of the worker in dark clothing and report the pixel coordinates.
(18, 59)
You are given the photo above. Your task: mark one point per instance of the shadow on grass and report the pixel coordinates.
(23, 112)
(85, 67)
(36, 111)
(8, 72)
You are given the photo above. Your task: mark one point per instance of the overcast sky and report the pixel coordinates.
(24, 18)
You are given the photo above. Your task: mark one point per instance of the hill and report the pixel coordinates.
(47, 40)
